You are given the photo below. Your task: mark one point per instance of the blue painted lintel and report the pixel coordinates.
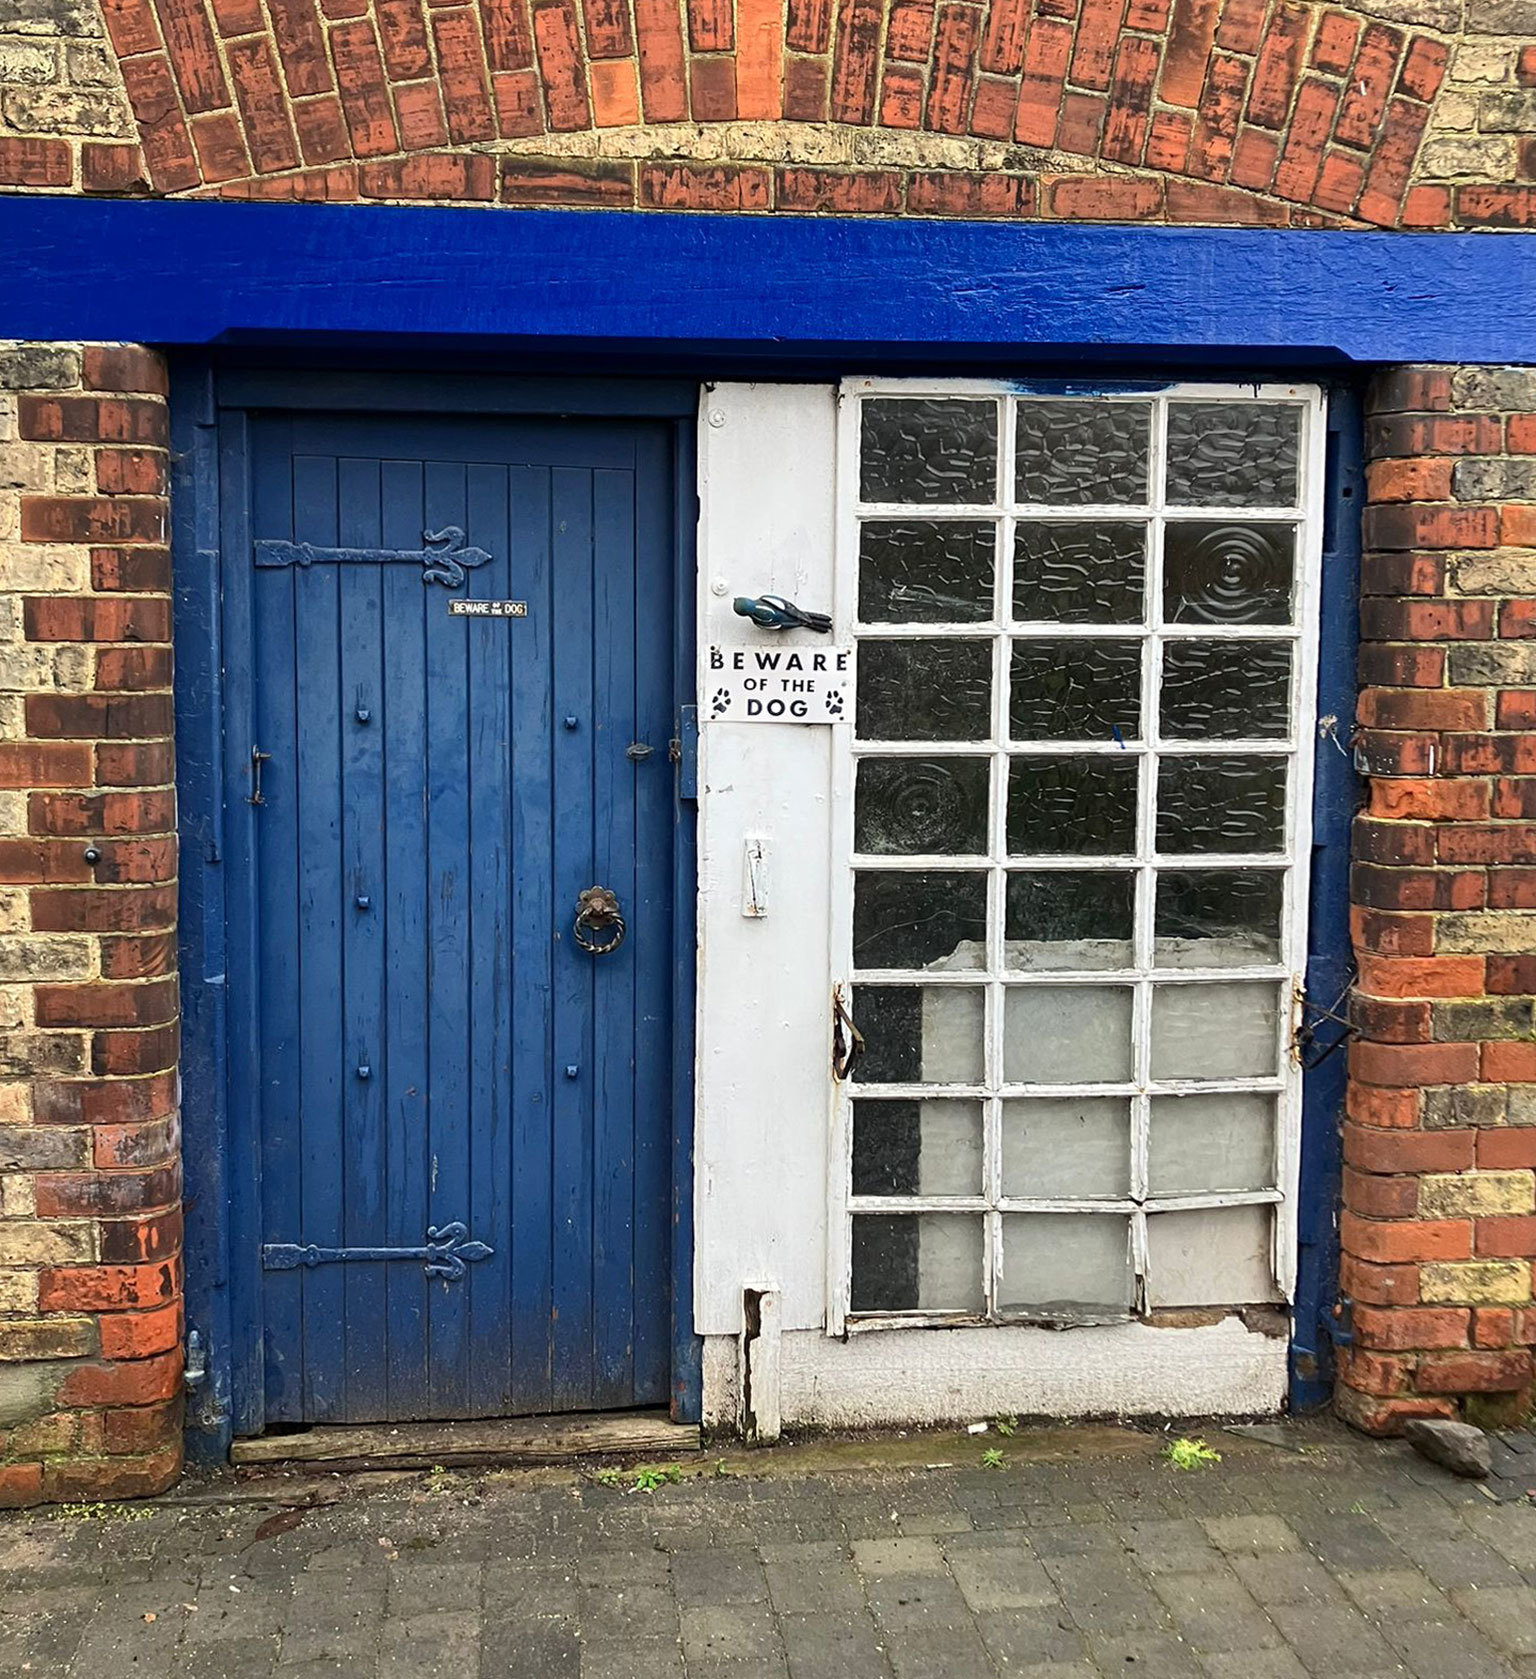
(805, 288)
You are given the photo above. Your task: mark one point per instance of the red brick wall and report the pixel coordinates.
(1406, 113)
(1439, 1221)
(90, 1183)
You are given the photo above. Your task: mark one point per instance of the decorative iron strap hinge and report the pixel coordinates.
(444, 1253)
(443, 558)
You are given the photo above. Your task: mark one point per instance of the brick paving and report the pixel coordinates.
(1085, 1555)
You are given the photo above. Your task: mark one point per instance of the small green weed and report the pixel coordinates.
(608, 1477)
(1006, 1426)
(439, 1479)
(1190, 1454)
(652, 1475)
(994, 1457)
(721, 1469)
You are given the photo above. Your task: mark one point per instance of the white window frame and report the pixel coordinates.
(1299, 747)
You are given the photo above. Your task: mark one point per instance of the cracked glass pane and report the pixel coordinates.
(919, 919)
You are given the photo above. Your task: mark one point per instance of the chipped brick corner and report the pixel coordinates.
(90, 1173)
(1439, 1194)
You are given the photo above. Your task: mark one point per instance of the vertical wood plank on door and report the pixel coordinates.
(655, 811)
(400, 718)
(488, 1210)
(322, 1069)
(364, 1153)
(574, 584)
(533, 946)
(449, 956)
(274, 1056)
(614, 726)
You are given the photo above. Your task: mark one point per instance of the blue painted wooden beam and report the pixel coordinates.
(806, 288)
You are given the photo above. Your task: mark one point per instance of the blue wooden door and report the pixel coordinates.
(464, 1117)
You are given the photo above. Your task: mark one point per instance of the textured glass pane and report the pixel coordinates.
(917, 1148)
(925, 690)
(1078, 574)
(1215, 1031)
(917, 1262)
(1218, 918)
(1202, 1144)
(1219, 1256)
(1065, 1265)
(1085, 805)
(1067, 1146)
(1071, 454)
(1232, 454)
(1067, 1034)
(921, 1034)
(1226, 690)
(926, 571)
(1228, 574)
(935, 450)
(917, 919)
(911, 806)
(1059, 918)
(1075, 690)
(1221, 804)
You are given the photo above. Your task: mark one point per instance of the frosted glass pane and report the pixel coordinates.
(1218, 1256)
(928, 449)
(1233, 454)
(917, 1034)
(917, 1148)
(911, 806)
(1065, 1264)
(1067, 1146)
(1201, 1144)
(1067, 1034)
(917, 1262)
(1073, 453)
(1215, 1031)
(926, 571)
(924, 690)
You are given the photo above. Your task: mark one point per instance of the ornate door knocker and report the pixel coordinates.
(597, 911)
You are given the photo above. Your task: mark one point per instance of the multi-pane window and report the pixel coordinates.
(1076, 802)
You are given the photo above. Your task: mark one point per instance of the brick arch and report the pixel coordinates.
(1264, 111)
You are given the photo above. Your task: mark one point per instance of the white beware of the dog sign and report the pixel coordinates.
(778, 684)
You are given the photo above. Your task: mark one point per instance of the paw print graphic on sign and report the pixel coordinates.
(721, 703)
(834, 703)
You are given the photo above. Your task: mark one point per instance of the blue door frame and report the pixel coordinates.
(214, 689)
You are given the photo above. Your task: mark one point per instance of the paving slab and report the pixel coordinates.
(1086, 1556)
